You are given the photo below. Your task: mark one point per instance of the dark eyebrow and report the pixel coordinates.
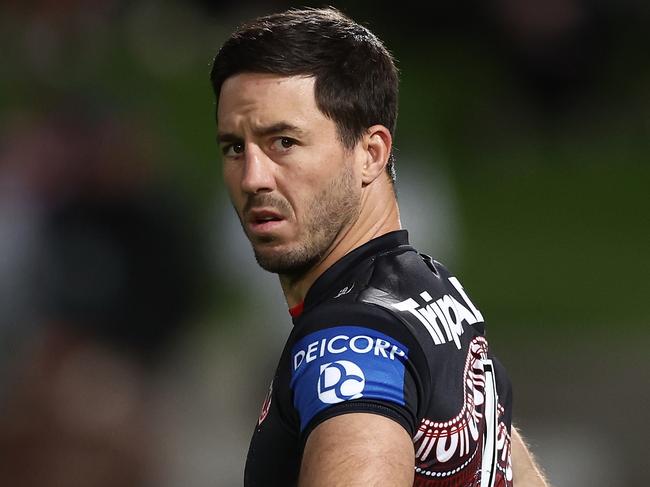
(223, 138)
(261, 132)
(277, 128)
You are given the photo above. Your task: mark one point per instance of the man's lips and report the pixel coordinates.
(263, 220)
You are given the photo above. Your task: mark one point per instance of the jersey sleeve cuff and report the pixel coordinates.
(383, 408)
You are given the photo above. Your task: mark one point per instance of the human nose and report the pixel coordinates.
(258, 171)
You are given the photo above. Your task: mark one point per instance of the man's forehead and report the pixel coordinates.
(261, 126)
(266, 88)
(261, 101)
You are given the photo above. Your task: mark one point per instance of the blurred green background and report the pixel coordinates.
(522, 149)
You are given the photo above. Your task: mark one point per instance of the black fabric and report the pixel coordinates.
(387, 289)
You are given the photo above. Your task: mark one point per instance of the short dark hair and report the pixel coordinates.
(356, 80)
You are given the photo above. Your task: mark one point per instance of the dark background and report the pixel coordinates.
(522, 149)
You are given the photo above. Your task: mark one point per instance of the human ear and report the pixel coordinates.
(378, 143)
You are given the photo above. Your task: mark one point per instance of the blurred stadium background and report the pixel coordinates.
(137, 336)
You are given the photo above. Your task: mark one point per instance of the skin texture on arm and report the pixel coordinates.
(525, 471)
(358, 450)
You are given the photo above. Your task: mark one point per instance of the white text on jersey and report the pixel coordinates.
(342, 343)
(443, 318)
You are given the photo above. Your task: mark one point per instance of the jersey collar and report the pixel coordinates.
(332, 276)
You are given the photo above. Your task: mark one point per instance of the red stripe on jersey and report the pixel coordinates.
(296, 310)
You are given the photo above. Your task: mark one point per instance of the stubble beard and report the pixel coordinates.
(329, 212)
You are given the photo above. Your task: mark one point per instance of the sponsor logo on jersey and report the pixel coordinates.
(340, 381)
(444, 317)
(344, 363)
(342, 343)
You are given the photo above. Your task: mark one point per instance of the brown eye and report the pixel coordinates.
(232, 150)
(283, 143)
(286, 143)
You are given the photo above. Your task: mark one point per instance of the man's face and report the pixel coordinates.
(294, 185)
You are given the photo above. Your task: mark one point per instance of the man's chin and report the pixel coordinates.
(280, 260)
(268, 256)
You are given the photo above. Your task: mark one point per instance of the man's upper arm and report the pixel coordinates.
(358, 449)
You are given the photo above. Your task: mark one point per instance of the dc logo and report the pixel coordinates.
(340, 381)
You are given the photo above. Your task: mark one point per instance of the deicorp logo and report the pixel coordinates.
(343, 363)
(340, 381)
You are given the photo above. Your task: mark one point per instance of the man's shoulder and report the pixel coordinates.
(376, 289)
(419, 289)
(401, 293)
(399, 276)
(370, 293)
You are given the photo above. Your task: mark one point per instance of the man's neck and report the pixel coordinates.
(373, 221)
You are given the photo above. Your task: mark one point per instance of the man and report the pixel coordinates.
(386, 378)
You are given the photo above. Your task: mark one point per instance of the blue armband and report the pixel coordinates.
(343, 363)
